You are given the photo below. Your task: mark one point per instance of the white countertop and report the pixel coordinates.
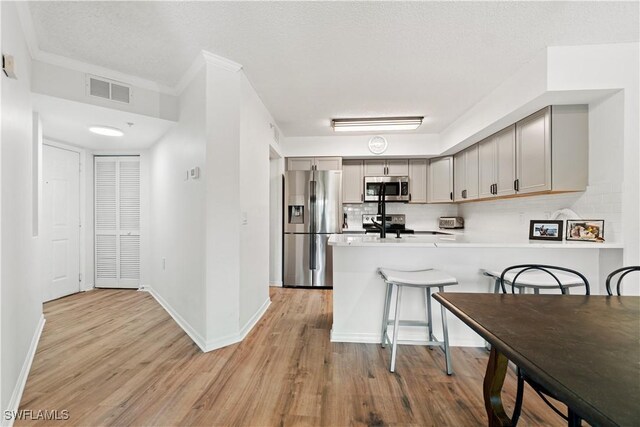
(461, 241)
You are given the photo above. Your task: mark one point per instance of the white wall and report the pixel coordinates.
(400, 145)
(610, 67)
(255, 136)
(177, 214)
(213, 232)
(67, 83)
(275, 219)
(20, 291)
(223, 204)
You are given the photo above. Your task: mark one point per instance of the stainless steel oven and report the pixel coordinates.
(396, 188)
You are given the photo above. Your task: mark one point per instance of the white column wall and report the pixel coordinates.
(177, 215)
(222, 205)
(20, 290)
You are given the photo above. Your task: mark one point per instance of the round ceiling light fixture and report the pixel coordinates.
(106, 130)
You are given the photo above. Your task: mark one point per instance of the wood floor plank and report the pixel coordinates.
(115, 357)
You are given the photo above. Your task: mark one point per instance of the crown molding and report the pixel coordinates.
(220, 62)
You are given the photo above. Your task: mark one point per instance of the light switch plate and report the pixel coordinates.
(194, 173)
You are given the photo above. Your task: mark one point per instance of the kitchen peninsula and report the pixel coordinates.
(358, 291)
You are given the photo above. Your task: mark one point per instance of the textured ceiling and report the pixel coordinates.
(311, 61)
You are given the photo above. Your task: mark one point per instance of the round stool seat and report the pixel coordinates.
(538, 279)
(429, 277)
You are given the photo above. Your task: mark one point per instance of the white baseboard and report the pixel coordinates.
(241, 335)
(219, 342)
(276, 283)
(186, 327)
(16, 396)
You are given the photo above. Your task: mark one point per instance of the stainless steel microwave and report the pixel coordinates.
(396, 188)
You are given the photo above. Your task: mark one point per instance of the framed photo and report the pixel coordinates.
(590, 230)
(545, 230)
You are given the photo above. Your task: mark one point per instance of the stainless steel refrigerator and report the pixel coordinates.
(312, 212)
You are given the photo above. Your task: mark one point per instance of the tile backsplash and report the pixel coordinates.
(508, 217)
(419, 217)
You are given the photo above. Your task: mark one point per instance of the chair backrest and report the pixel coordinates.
(522, 268)
(623, 272)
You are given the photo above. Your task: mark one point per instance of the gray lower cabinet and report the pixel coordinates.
(352, 181)
(440, 180)
(418, 180)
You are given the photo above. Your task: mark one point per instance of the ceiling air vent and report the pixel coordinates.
(108, 89)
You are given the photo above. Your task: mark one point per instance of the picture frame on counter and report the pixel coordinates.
(545, 229)
(586, 230)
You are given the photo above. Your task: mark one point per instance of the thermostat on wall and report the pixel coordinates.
(194, 173)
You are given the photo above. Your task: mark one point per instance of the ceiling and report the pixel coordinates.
(69, 121)
(313, 61)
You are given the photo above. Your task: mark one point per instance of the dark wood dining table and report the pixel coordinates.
(583, 349)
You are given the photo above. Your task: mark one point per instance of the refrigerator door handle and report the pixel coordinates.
(312, 207)
(312, 252)
(312, 218)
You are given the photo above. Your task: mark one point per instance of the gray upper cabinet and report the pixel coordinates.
(497, 164)
(440, 180)
(328, 163)
(533, 148)
(397, 167)
(375, 167)
(314, 163)
(465, 180)
(391, 167)
(505, 166)
(418, 180)
(352, 181)
(300, 163)
(552, 149)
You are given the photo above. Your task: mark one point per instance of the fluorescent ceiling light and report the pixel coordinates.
(376, 124)
(106, 130)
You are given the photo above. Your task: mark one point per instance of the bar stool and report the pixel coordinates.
(423, 279)
(535, 280)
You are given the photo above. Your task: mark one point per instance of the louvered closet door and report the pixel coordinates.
(117, 222)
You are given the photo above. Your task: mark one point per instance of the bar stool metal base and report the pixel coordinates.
(397, 323)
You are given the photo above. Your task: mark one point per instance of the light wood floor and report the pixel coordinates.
(115, 357)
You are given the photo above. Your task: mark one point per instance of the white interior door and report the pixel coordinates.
(117, 222)
(61, 222)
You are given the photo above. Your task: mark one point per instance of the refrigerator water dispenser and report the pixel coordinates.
(296, 214)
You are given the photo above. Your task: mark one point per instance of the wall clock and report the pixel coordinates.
(378, 145)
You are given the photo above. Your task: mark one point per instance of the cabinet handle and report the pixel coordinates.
(491, 189)
(409, 196)
(517, 184)
(464, 194)
(451, 195)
